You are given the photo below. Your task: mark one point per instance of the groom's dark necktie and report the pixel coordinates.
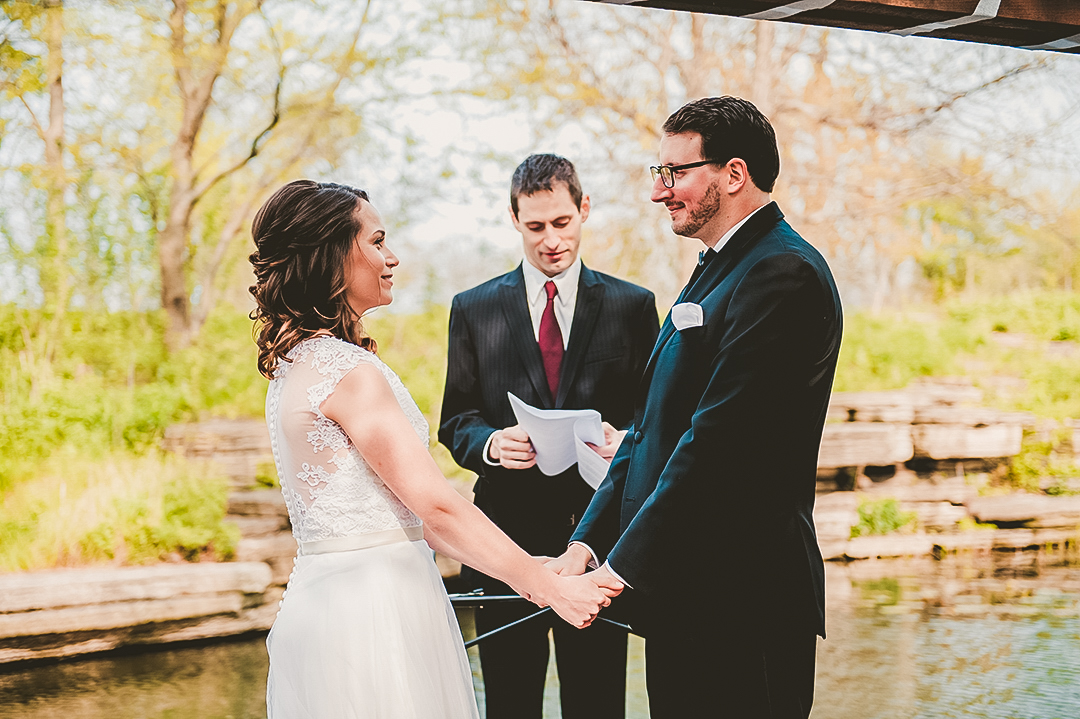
(550, 339)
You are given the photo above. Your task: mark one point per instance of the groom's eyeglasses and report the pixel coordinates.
(667, 172)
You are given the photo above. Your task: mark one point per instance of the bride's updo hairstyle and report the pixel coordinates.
(303, 235)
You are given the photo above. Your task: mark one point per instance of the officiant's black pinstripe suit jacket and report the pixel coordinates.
(493, 351)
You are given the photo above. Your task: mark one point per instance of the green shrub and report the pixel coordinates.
(1037, 462)
(111, 386)
(881, 516)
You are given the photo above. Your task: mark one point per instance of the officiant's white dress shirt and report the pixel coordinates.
(566, 282)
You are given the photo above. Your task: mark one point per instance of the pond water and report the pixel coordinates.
(994, 636)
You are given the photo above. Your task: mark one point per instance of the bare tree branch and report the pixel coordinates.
(33, 118)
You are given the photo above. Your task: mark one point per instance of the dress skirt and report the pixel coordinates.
(368, 634)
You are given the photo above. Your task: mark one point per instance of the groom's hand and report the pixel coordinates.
(578, 600)
(572, 562)
(512, 449)
(607, 582)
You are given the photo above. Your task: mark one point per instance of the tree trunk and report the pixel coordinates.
(55, 279)
(172, 242)
(196, 97)
(761, 91)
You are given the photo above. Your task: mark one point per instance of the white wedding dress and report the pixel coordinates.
(365, 629)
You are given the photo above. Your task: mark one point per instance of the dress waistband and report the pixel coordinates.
(362, 541)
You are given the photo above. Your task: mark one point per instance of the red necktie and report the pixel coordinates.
(551, 347)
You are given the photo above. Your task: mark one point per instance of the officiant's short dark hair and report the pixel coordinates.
(731, 127)
(539, 173)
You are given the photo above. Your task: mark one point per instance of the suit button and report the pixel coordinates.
(637, 437)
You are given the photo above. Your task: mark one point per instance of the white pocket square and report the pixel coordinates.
(687, 314)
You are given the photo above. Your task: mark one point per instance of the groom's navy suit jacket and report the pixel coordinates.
(707, 509)
(493, 351)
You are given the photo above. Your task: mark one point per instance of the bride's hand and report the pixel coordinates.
(579, 599)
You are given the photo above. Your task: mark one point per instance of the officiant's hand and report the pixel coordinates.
(574, 561)
(512, 449)
(612, 439)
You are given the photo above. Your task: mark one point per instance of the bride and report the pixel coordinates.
(365, 628)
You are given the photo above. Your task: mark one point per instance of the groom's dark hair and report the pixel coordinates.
(541, 172)
(731, 127)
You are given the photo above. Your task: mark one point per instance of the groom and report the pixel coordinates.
(706, 512)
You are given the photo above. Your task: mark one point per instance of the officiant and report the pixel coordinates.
(558, 335)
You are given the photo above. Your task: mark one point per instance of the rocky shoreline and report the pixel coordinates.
(927, 447)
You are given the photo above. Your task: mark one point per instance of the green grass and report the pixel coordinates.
(117, 509)
(959, 339)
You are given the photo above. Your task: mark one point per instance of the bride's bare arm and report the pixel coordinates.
(366, 408)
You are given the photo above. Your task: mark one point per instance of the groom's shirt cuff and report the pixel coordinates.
(615, 574)
(594, 563)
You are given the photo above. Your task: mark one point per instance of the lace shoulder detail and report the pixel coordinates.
(329, 489)
(332, 359)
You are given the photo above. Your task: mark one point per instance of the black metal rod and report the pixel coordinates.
(473, 599)
(620, 625)
(503, 628)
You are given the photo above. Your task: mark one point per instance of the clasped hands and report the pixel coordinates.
(583, 593)
(512, 448)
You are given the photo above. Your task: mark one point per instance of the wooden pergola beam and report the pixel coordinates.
(1030, 24)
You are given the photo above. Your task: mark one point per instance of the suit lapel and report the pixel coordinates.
(714, 271)
(667, 331)
(590, 296)
(516, 310)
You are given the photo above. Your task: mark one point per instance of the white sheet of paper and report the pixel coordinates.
(559, 437)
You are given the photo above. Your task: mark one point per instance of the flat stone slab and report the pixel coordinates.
(956, 441)
(935, 515)
(67, 612)
(889, 545)
(857, 444)
(218, 435)
(277, 550)
(903, 405)
(834, 515)
(237, 446)
(971, 416)
(889, 406)
(906, 487)
(257, 503)
(54, 589)
(258, 618)
(1035, 510)
(924, 544)
(113, 615)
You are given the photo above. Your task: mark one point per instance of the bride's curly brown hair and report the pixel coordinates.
(303, 236)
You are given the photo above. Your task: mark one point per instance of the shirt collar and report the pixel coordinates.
(730, 233)
(566, 281)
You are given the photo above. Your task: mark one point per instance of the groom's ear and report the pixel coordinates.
(737, 174)
(513, 217)
(585, 206)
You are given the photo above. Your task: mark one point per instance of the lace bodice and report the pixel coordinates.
(329, 489)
